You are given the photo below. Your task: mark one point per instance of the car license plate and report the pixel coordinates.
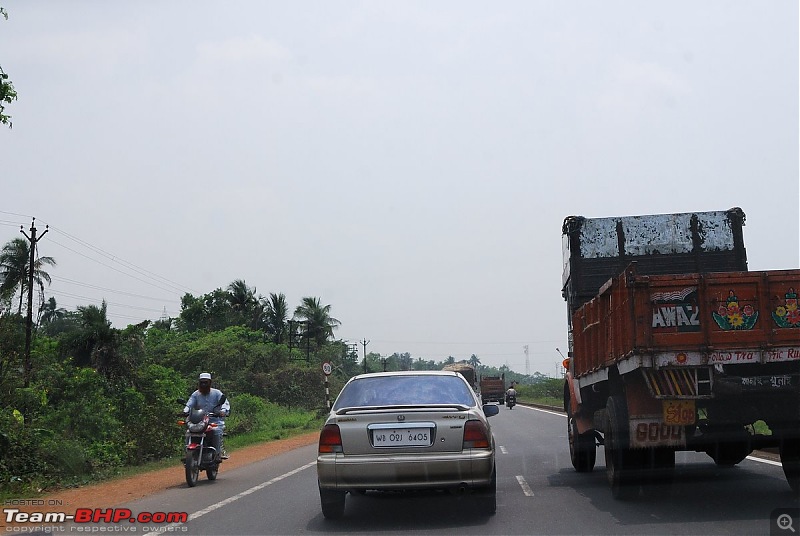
(679, 411)
(402, 437)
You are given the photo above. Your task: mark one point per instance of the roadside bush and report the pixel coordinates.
(246, 414)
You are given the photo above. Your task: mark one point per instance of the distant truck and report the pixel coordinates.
(674, 345)
(493, 388)
(466, 370)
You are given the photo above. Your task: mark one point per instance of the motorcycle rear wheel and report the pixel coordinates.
(192, 464)
(211, 472)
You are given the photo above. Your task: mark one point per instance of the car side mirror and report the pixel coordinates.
(491, 409)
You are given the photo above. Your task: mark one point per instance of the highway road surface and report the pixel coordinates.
(538, 493)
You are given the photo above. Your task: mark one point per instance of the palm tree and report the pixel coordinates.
(50, 312)
(15, 267)
(320, 323)
(474, 361)
(245, 304)
(241, 297)
(96, 343)
(277, 314)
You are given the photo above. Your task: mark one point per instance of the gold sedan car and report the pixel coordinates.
(407, 431)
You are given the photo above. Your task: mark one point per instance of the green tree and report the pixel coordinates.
(51, 312)
(277, 316)
(14, 270)
(95, 343)
(246, 305)
(474, 361)
(7, 92)
(209, 312)
(320, 323)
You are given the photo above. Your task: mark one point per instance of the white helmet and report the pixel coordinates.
(204, 376)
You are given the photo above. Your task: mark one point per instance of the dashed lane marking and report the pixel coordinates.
(526, 489)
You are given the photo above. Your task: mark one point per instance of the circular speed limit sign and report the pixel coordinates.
(326, 368)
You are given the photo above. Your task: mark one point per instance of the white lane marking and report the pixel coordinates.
(526, 489)
(560, 414)
(503, 450)
(763, 460)
(232, 498)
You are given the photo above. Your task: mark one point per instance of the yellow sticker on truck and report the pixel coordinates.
(681, 412)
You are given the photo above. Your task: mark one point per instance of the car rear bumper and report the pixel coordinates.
(418, 471)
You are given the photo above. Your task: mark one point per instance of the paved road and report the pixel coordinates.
(538, 493)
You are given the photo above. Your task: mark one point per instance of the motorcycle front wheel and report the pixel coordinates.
(192, 463)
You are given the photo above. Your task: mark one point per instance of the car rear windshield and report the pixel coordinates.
(405, 390)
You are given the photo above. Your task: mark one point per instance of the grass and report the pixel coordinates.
(271, 422)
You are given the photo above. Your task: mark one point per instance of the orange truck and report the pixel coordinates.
(493, 389)
(675, 345)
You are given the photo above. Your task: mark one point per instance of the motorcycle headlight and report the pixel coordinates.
(197, 427)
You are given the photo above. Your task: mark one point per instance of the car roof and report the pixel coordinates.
(406, 373)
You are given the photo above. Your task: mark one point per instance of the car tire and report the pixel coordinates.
(486, 498)
(332, 502)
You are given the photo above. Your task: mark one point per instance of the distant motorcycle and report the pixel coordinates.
(511, 401)
(199, 455)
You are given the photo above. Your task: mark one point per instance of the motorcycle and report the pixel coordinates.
(511, 401)
(199, 455)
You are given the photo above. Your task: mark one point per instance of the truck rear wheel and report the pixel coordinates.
(790, 459)
(582, 450)
(729, 454)
(623, 464)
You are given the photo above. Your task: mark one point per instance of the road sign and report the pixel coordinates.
(326, 368)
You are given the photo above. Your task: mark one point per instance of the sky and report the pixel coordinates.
(408, 163)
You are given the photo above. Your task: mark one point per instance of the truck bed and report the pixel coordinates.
(731, 318)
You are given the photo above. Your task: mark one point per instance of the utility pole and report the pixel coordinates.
(29, 322)
(365, 342)
(527, 361)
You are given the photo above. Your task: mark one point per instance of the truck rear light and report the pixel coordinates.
(330, 440)
(476, 436)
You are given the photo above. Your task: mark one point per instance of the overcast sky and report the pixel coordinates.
(409, 163)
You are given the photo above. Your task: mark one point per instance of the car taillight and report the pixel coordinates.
(476, 436)
(330, 440)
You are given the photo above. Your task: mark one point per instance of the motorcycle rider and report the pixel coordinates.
(208, 399)
(511, 394)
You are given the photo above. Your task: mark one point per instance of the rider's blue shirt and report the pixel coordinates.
(208, 402)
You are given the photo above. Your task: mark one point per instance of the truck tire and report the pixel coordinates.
(729, 454)
(660, 463)
(582, 450)
(790, 459)
(623, 464)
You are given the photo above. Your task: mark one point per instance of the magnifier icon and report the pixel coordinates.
(785, 522)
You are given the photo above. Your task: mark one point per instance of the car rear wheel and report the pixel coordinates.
(486, 498)
(332, 502)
